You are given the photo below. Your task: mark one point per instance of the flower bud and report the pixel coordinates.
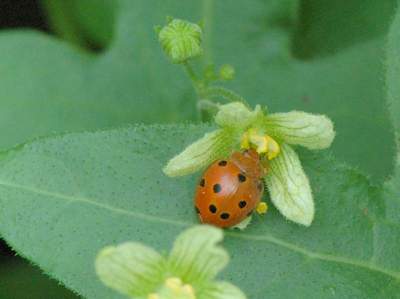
(226, 72)
(181, 40)
(262, 208)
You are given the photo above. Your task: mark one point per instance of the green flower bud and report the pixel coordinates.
(226, 72)
(181, 40)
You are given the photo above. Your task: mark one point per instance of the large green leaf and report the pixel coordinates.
(319, 34)
(392, 195)
(393, 72)
(49, 87)
(64, 198)
(392, 187)
(87, 23)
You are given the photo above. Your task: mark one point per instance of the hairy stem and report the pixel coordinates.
(205, 94)
(224, 93)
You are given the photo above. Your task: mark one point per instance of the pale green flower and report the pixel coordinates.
(188, 272)
(271, 135)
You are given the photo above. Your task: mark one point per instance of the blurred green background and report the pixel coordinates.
(19, 279)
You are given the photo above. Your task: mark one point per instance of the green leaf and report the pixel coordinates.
(49, 87)
(392, 195)
(392, 186)
(64, 198)
(318, 33)
(393, 72)
(87, 23)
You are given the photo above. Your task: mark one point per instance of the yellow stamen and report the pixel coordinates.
(262, 208)
(273, 148)
(175, 286)
(245, 144)
(188, 289)
(174, 283)
(263, 143)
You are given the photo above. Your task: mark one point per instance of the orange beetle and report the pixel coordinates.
(230, 190)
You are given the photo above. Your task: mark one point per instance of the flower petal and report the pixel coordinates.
(201, 153)
(309, 130)
(243, 224)
(222, 290)
(196, 257)
(130, 268)
(236, 115)
(289, 187)
(174, 288)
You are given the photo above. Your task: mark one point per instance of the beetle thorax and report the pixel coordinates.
(248, 162)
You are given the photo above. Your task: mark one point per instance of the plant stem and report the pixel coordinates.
(224, 93)
(208, 13)
(191, 73)
(199, 86)
(205, 105)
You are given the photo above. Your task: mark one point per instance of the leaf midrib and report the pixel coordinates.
(266, 238)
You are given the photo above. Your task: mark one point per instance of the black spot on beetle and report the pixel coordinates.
(224, 216)
(213, 209)
(260, 186)
(197, 210)
(241, 177)
(202, 182)
(217, 188)
(242, 204)
(222, 163)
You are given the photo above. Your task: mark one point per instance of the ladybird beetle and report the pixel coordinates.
(230, 190)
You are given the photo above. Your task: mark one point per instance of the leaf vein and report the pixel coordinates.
(265, 238)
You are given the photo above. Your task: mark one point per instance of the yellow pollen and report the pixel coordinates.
(179, 289)
(262, 143)
(188, 289)
(262, 208)
(174, 283)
